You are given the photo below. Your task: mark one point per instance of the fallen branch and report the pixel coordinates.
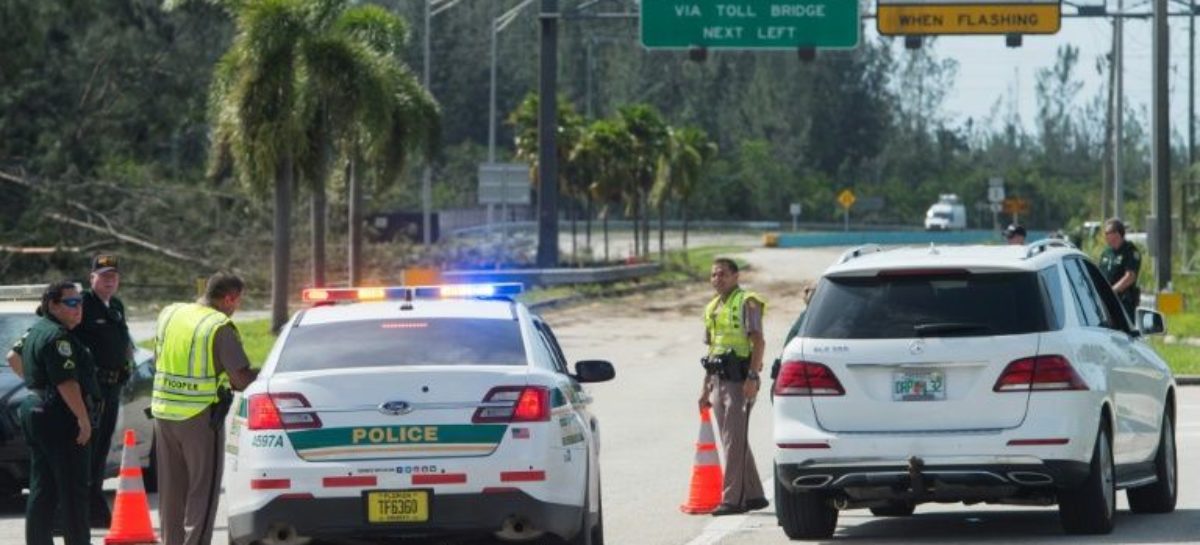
(132, 240)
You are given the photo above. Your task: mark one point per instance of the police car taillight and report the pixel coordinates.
(505, 404)
(805, 378)
(279, 412)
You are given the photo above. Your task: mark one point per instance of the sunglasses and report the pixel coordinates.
(71, 302)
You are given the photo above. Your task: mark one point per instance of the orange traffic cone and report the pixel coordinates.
(131, 512)
(707, 481)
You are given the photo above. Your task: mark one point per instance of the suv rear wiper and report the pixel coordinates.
(923, 330)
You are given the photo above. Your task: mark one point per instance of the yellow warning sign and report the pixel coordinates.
(934, 19)
(846, 198)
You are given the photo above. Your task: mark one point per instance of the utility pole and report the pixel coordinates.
(1185, 224)
(427, 175)
(1107, 168)
(547, 252)
(1160, 165)
(1119, 115)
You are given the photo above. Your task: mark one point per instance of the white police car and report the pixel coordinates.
(415, 412)
(971, 374)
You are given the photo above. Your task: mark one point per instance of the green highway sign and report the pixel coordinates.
(749, 24)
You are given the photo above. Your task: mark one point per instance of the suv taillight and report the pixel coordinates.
(805, 378)
(276, 412)
(1039, 374)
(507, 404)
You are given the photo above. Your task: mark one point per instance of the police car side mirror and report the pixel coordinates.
(1150, 322)
(594, 371)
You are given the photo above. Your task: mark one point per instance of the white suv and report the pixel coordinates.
(999, 374)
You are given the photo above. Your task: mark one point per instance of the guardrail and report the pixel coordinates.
(555, 277)
(891, 238)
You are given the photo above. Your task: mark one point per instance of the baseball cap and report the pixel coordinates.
(104, 263)
(1013, 230)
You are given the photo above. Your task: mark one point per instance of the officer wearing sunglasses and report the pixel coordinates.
(61, 378)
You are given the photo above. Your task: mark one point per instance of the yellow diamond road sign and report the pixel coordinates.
(934, 17)
(846, 198)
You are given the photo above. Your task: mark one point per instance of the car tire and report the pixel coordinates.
(1160, 496)
(804, 515)
(598, 529)
(895, 509)
(1089, 508)
(587, 532)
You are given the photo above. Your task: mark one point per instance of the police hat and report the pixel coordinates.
(1013, 230)
(104, 263)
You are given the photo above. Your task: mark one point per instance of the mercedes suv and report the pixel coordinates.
(997, 374)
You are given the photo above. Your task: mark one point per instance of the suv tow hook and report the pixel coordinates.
(916, 480)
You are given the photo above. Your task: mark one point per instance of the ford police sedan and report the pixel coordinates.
(385, 413)
(1004, 375)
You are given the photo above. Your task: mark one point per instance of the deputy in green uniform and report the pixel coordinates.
(104, 331)
(61, 378)
(1120, 263)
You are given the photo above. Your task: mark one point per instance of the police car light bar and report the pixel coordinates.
(400, 293)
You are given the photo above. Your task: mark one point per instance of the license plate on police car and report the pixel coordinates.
(930, 386)
(391, 506)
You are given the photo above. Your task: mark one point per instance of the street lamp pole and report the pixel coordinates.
(427, 175)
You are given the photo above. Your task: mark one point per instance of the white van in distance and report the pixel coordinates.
(946, 214)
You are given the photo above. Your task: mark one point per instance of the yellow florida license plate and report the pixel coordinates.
(398, 506)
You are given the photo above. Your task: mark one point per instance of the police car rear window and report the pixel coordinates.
(942, 305)
(398, 343)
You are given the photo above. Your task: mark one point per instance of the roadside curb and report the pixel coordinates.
(1187, 380)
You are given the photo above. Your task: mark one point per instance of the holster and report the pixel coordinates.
(112, 377)
(220, 409)
(727, 366)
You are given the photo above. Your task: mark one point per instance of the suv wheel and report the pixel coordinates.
(804, 515)
(1089, 508)
(894, 509)
(1160, 496)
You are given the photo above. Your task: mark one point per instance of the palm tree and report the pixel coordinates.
(649, 134)
(300, 76)
(679, 172)
(524, 121)
(608, 149)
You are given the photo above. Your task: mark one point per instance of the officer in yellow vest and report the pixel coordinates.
(734, 334)
(199, 356)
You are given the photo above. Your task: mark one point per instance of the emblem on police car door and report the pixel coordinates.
(396, 408)
(916, 348)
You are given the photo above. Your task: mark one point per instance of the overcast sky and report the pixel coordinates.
(987, 70)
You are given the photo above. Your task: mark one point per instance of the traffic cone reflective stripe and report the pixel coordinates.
(131, 511)
(707, 480)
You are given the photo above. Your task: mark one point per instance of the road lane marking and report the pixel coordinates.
(721, 527)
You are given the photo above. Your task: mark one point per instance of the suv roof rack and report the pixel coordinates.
(1045, 244)
(859, 252)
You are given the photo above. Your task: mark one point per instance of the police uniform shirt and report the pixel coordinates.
(105, 331)
(1114, 263)
(52, 356)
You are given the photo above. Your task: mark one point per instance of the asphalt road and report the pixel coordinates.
(649, 422)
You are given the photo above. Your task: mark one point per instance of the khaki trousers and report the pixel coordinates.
(733, 417)
(190, 457)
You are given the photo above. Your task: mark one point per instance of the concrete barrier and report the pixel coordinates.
(892, 238)
(554, 277)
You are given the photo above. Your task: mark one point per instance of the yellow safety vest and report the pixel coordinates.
(725, 332)
(185, 378)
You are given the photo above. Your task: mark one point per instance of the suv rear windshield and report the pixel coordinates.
(394, 343)
(927, 305)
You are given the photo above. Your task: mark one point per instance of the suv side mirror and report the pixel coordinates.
(1150, 322)
(594, 371)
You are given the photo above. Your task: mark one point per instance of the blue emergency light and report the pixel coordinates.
(405, 293)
